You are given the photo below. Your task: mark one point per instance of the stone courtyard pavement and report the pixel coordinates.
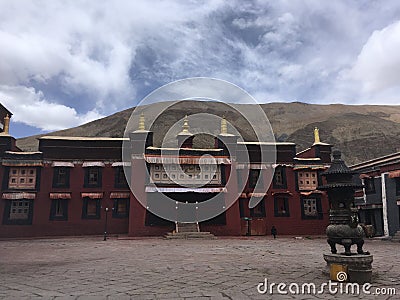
(155, 268)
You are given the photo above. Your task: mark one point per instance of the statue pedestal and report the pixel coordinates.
(359, 266)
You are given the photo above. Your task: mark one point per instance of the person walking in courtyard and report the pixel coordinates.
(274, 232)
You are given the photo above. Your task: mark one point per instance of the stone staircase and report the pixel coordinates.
(187, 227)
(188, 231)
(396, 237)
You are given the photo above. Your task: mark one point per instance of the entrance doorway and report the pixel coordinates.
(398, 206)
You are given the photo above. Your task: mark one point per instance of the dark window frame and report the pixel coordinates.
(305, 186)
(254, 179)
(286, 206)
(319, 215)
(119, 178)
(369, 185)
(6, 179)
(64, 204)
(116, 213)
(261, 206)
(275, 185)
(244, 210)
(56, 172)
(85, 203)
(87, 184)
(6, 215)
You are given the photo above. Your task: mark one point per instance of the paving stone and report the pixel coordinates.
(229, 268)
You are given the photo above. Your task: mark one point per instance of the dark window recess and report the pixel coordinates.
(90, 208)
(398, 186)
(254, 176)
(369, 184)
(311, 208)
(18, 212)
(281, 206)
(279, 181)
(154, 220)
(258, 210)
(59, 210)
(120, 180)
(121, 208)
(244, 208)
(218, 220)
(61, 177)
(92, 177)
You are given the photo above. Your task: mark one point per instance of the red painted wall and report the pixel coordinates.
(137, 225)
(75, 225)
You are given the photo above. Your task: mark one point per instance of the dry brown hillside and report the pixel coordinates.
(361, 132)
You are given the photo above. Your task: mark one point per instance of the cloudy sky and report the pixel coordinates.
(64, 63)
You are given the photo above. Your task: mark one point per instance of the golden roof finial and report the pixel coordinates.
(6, 124)
(141, 122)
(316, 136)
(185, 127)
(224, 126)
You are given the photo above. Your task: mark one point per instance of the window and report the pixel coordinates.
(307, 180)
(281, 206)
(121, 208)
(311, 208)
(245, 212)
(120, 180)
(369, 184)
(258, 210)
(91, 208)
(61, 177)
(244, 207)
(22, 178)
(59, 209)
(92, 177)
(189, 174)
(254, 175)
(18, 212)
(280, 177)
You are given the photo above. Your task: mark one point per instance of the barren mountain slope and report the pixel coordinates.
(361, 132)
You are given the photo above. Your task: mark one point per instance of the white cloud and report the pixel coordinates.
(87, 48)
(101, 57)
(35, 110)
(378, 65)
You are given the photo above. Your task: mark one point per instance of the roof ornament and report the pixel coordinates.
(224, 127)
(6, 125)
(141, 122)
(185, 127)
(316, 136)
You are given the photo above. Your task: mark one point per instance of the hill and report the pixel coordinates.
(360, 132)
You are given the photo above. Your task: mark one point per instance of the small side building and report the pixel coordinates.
(379, 201)
(64, 188)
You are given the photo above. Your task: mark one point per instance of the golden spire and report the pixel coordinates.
(224, 127)
(316, 136)
(141, 122)
(6, 124)
(185, 127)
